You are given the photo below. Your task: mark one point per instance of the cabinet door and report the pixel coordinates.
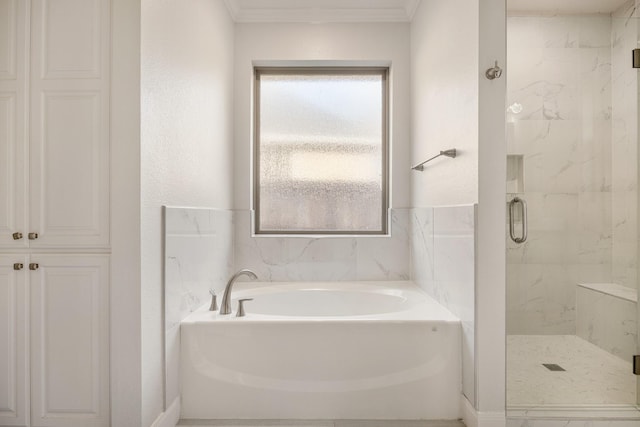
(13, 128)
(14, 390)
(69, 148)
(69, 340)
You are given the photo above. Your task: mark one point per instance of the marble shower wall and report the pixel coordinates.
(443, 264)
(560, 121)
(624, 180)
(325, 258)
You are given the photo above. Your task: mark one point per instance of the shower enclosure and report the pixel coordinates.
(572, 203)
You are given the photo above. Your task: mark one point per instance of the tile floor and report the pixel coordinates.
(592, 376)
(336, 423)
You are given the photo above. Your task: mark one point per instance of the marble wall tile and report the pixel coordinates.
(607, 321)
(624, 180)
(569, 149)
(198, 257)
(594, 31)
(552, 230)
(421, 241)
(596, 157)
(325, 258)
(590, 273)
(559, 77)
(443, 264)
(551, 159)
(595, 234)
(543, 302)
(386, 258)
(525, 91)
(552, 32)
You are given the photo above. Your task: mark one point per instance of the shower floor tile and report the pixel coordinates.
(591, 375)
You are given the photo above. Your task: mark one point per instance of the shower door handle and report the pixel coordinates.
(512, 213)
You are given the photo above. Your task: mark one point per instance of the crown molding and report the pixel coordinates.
(319, 11)
(232, 6)
(411, 6)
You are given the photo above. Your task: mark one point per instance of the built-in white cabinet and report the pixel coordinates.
(54, 212)
(14, 335)
(54, 123)
(14, 142)
(69, 340)
(54, 324)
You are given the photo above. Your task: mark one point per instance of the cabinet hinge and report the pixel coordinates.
(636, 364)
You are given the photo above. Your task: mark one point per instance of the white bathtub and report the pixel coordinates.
(330, 350)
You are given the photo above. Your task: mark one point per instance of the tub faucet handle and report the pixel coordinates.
(240, 312)
(214, 300)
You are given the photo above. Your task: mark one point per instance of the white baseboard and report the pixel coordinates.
(473, 418)
(170, 417)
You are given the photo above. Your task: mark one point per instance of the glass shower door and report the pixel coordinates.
(572, 156)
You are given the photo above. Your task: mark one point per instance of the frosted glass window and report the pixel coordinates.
(321, 151)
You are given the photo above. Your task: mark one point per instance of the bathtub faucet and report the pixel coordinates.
(225, 307)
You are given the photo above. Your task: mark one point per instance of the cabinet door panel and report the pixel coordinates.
(9, 38)
(71, 38)
(13, 135)
(66, 181)
(14, 393)
(69, 341)
(69, 156)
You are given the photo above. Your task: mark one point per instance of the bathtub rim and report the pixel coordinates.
(422, 311)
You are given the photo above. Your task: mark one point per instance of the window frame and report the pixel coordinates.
(383, 72)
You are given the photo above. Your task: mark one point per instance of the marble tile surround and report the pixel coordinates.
(434, 247)
(573, 131)
(443, 264)
(275, 258)
(624, 160)
(607, 321)
(198, 249)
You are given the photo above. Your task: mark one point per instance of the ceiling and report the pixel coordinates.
(317, 11)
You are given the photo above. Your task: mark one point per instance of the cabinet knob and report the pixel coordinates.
(18, 266)
(17, 236)
(33, 236)
(34, 266)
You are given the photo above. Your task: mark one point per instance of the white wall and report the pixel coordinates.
(125, 347)
(454, 105)
(444, 101)
(382, 43)
(491, 220)
(186, 146)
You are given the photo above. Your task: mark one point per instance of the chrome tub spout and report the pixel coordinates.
(225, 306)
